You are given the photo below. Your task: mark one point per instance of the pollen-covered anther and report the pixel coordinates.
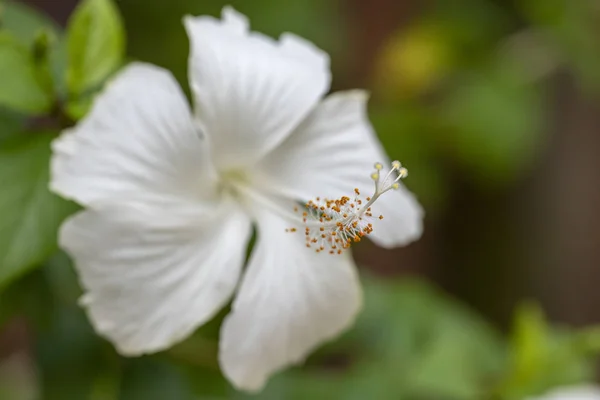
(332, 225)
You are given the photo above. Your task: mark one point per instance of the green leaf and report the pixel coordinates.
(42, 55)
(95, 44)
(531, 335)
(543, 357)
(29, 214)
(24, 23)
(44, 37)
(20, 86)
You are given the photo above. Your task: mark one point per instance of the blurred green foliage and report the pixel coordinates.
(459, 85)
(572, 28)
(542, 356)
(481, 136)
(24, 22)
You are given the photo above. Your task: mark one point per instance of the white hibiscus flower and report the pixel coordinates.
(172, 196)
(583, 392)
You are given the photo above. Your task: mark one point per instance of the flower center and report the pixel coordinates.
(232, 180)
(332, 225)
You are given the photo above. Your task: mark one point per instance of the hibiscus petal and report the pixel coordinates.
(580, 392)
(152, 278)
(291, 300)
(138, 142)
(331, 153)
(250, 90)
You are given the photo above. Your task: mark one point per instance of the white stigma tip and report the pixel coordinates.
(375, 176)
(403, 173)
(396, 165)
(395, 186)
(378, 166)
